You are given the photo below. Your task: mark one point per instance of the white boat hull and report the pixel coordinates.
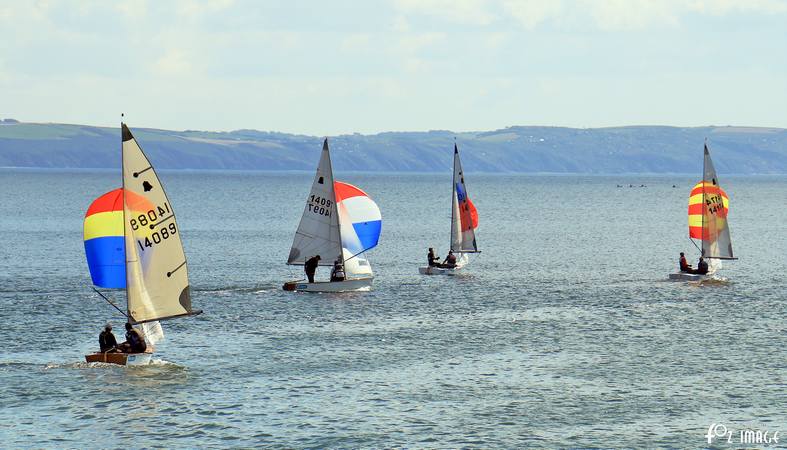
(433, 270)
(352, 285)
(683, 276)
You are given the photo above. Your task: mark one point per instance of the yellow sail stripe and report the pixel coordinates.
(694, 199)
(695, 220)
(697, 199)
(109, 223)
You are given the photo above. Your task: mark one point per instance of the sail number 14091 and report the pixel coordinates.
(319, 205)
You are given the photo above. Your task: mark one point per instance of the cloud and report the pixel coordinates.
(495, 40)
(531, 13)
(413, 43)
(173, 63)
(723, 7)
(196, 9)
(135, 10)
(626, 15)
(471, 12)
(356, 42)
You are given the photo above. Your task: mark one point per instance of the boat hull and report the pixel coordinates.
(683, 276)
(433, 270)
(121, 359)
(353, 285)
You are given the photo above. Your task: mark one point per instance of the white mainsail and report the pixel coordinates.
(318, 231)
(462, 212)
(156, 274)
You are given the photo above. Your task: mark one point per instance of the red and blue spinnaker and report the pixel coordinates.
(362, 213)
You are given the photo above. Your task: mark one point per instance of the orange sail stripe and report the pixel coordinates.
(695, 232)
(708, 187)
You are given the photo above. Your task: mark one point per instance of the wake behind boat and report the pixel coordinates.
(708, 210)
(339, 223)
(464, 221)
(132, 242)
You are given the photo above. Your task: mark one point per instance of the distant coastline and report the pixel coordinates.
(625, 150)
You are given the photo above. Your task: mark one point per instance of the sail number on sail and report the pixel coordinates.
(148, 219)
(319, 205)
(714, 204)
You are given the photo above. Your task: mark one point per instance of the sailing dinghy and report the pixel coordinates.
(708, 210)
(464, 221)
(132, 242)
(339, 222)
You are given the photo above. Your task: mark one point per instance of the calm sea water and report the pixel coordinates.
(563, 332)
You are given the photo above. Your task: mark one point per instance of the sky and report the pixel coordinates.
(367, 66)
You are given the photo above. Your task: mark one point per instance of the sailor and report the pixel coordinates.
(702, 267)
(684, 265)
(135, 343)
(434, 260)
(106, 340)
(311, 266)
(450, 260)
(337, 273)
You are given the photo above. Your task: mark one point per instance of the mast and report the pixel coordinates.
(704, 205)
(453, 195)
(335, 207)
(123, 197)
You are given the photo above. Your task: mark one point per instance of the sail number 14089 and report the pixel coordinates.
(148, 220)
(319, 205)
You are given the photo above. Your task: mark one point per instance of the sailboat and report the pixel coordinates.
(339, 223)
(708, 210)
(464, 221)
(132, 242)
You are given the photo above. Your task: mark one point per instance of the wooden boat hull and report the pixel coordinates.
(683, 276)
(433, 270)
(352, 285)
(122, 359)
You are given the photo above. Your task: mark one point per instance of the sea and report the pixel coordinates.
(563, 332)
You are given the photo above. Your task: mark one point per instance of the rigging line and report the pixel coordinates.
(362, 251)
(109, 301)
(695, 244)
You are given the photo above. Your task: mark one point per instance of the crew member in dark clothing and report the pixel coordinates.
(311, 266)
(450, 260)
(702, 267)
(684, 265)
(434, 260)
(135, 343)
(106, 340)
(337, 273)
